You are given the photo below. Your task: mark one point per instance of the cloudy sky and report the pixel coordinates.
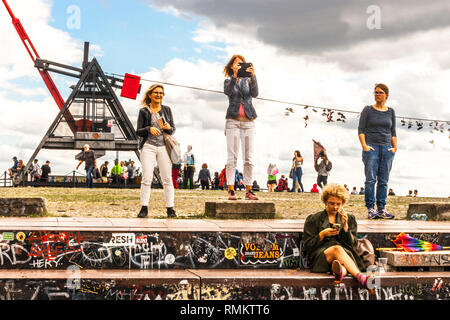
(326, 53)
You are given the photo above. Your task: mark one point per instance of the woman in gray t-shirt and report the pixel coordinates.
(378, 138)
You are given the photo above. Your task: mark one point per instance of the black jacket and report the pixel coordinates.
(144, 123)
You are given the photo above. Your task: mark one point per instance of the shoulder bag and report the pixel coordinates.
(172, 146)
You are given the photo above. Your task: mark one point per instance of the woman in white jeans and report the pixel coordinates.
(153, 118)
(240, 126)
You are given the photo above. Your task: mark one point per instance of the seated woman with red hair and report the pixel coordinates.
(330, 236)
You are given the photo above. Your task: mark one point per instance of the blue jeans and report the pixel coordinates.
(297, 176)
(89, 174)
(377, 166)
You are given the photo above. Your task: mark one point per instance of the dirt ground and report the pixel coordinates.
(189, 204)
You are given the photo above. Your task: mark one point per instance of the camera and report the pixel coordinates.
(242, 72)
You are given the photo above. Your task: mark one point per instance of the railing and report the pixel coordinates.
(5, 180)
(75, 179)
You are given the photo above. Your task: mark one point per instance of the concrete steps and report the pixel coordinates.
(133, 259)
(193, 284)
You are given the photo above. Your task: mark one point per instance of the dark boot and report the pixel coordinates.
(144, 212)
(171, 213)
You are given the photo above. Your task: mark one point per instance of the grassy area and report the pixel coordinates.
(189, 204)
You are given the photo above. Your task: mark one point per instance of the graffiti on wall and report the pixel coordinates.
(88, 289)
(436, 291)
(164, 250)
(95, 290)
(149, 250)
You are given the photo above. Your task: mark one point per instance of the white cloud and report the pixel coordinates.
(414, 77)
(26, 105)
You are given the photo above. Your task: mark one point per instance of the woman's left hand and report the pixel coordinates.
(394, 150)
(251, 70)
(166, 126)
(344, 219)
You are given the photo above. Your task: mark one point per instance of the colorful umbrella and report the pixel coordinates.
(404, 242)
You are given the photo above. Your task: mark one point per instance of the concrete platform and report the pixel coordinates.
(206, 225)
(215, 284)
(23, 207)
(417, 259)
(437, 211)
(240, 209)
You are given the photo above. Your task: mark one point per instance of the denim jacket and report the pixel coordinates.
(241, 93)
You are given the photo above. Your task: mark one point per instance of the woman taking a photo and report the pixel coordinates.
(153, 118)
(330, 235)
(240, 126)
(378, 138)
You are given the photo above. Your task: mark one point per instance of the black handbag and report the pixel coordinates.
(291, 174)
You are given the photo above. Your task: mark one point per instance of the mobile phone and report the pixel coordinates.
(336, 226)
(242, 72)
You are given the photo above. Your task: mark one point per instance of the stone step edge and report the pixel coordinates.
(223, 275)
(205, 225)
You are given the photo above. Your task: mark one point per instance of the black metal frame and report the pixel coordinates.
(90, 73)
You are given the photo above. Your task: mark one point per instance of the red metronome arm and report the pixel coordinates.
(44, 74)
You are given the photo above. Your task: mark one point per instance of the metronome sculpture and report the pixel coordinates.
(91, 115)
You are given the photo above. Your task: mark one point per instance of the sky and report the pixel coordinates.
(326, 53)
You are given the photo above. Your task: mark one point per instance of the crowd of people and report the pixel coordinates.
(36, 172)
(155, 126)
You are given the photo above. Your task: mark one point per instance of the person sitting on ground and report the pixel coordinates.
(216, 181)
(282, 184)
(104, 171)
(330, 236)
(241, 182)
(255, 186)
(314, 188)
(116, 172)
(20, 167)
(238, 181)
(416, 193)
(362, 191)
(13, 169)
(409, 193)
(391, 192)
(354, 191)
